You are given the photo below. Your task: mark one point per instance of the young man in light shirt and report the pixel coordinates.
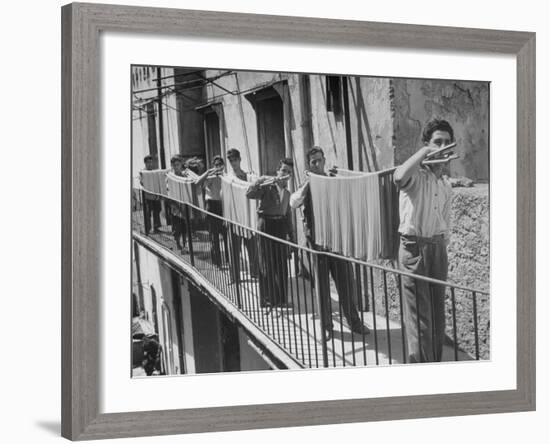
(425, 197)
(235, 238)
(177, 210)
(211, 183)
(152, 205)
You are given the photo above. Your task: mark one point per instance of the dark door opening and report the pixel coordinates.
(231, 355)
(271, 133)
(212, 135)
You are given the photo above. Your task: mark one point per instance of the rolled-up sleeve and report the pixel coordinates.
(297, 198)
(411, 182)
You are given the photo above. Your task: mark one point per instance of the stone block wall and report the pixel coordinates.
(469, 265)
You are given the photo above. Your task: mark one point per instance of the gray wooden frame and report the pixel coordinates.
(81, 167)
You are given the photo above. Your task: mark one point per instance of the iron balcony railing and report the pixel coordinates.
(227, 255)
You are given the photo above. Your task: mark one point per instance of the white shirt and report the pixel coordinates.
(425, 205)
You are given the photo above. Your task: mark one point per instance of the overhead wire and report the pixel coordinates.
(180, 84)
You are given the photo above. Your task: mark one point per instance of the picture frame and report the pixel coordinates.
(81, 217)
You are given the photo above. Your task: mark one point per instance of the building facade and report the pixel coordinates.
(362, 123)
(196, 334)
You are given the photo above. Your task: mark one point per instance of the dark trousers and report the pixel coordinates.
(236, 239)
(424, 303)
(179, 230)
(215, 229)
(346, 286)
(273, 262)
(151, 208)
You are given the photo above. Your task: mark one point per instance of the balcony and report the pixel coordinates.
(225, 261)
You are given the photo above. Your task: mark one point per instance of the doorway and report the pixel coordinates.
(212, 135)
(271, 132)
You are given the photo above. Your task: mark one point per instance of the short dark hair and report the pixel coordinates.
(434, 125)
(233, 152)
(193, 164)
(220, 158)
(148, 158)
(286, 161)
(176, 158)
(313, 151)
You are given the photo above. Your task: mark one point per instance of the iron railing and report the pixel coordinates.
(232, 258)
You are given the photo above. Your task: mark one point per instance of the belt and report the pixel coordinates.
(438, 238)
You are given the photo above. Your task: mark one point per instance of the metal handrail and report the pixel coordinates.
(278, 306)
(321, 252)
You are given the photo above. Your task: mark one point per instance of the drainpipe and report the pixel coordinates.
(161, 120)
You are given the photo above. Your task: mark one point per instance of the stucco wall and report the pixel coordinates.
(371, 123)
(469, 265)
(240, 129)
(464, 104)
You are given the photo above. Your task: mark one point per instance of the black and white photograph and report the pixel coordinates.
(274, 222)
(307, 220)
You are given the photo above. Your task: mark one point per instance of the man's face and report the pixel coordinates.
(218, 164)
(284, 170)
(235, 163)
(317, 163)
(178, 166)
(149, 164)
(440, 139)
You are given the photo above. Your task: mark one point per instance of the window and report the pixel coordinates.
(334, 94)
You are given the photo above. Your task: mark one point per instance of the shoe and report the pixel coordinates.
(360, 329)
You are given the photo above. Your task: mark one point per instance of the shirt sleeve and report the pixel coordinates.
(254, 191)
(412, 183)
(447, 215)
(297, 198)
(290, 226)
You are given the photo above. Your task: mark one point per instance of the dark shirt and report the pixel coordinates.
(271, 203)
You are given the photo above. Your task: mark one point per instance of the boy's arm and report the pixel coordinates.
(202, 178)
(255, 191)
(297, 198)
(406, 170)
